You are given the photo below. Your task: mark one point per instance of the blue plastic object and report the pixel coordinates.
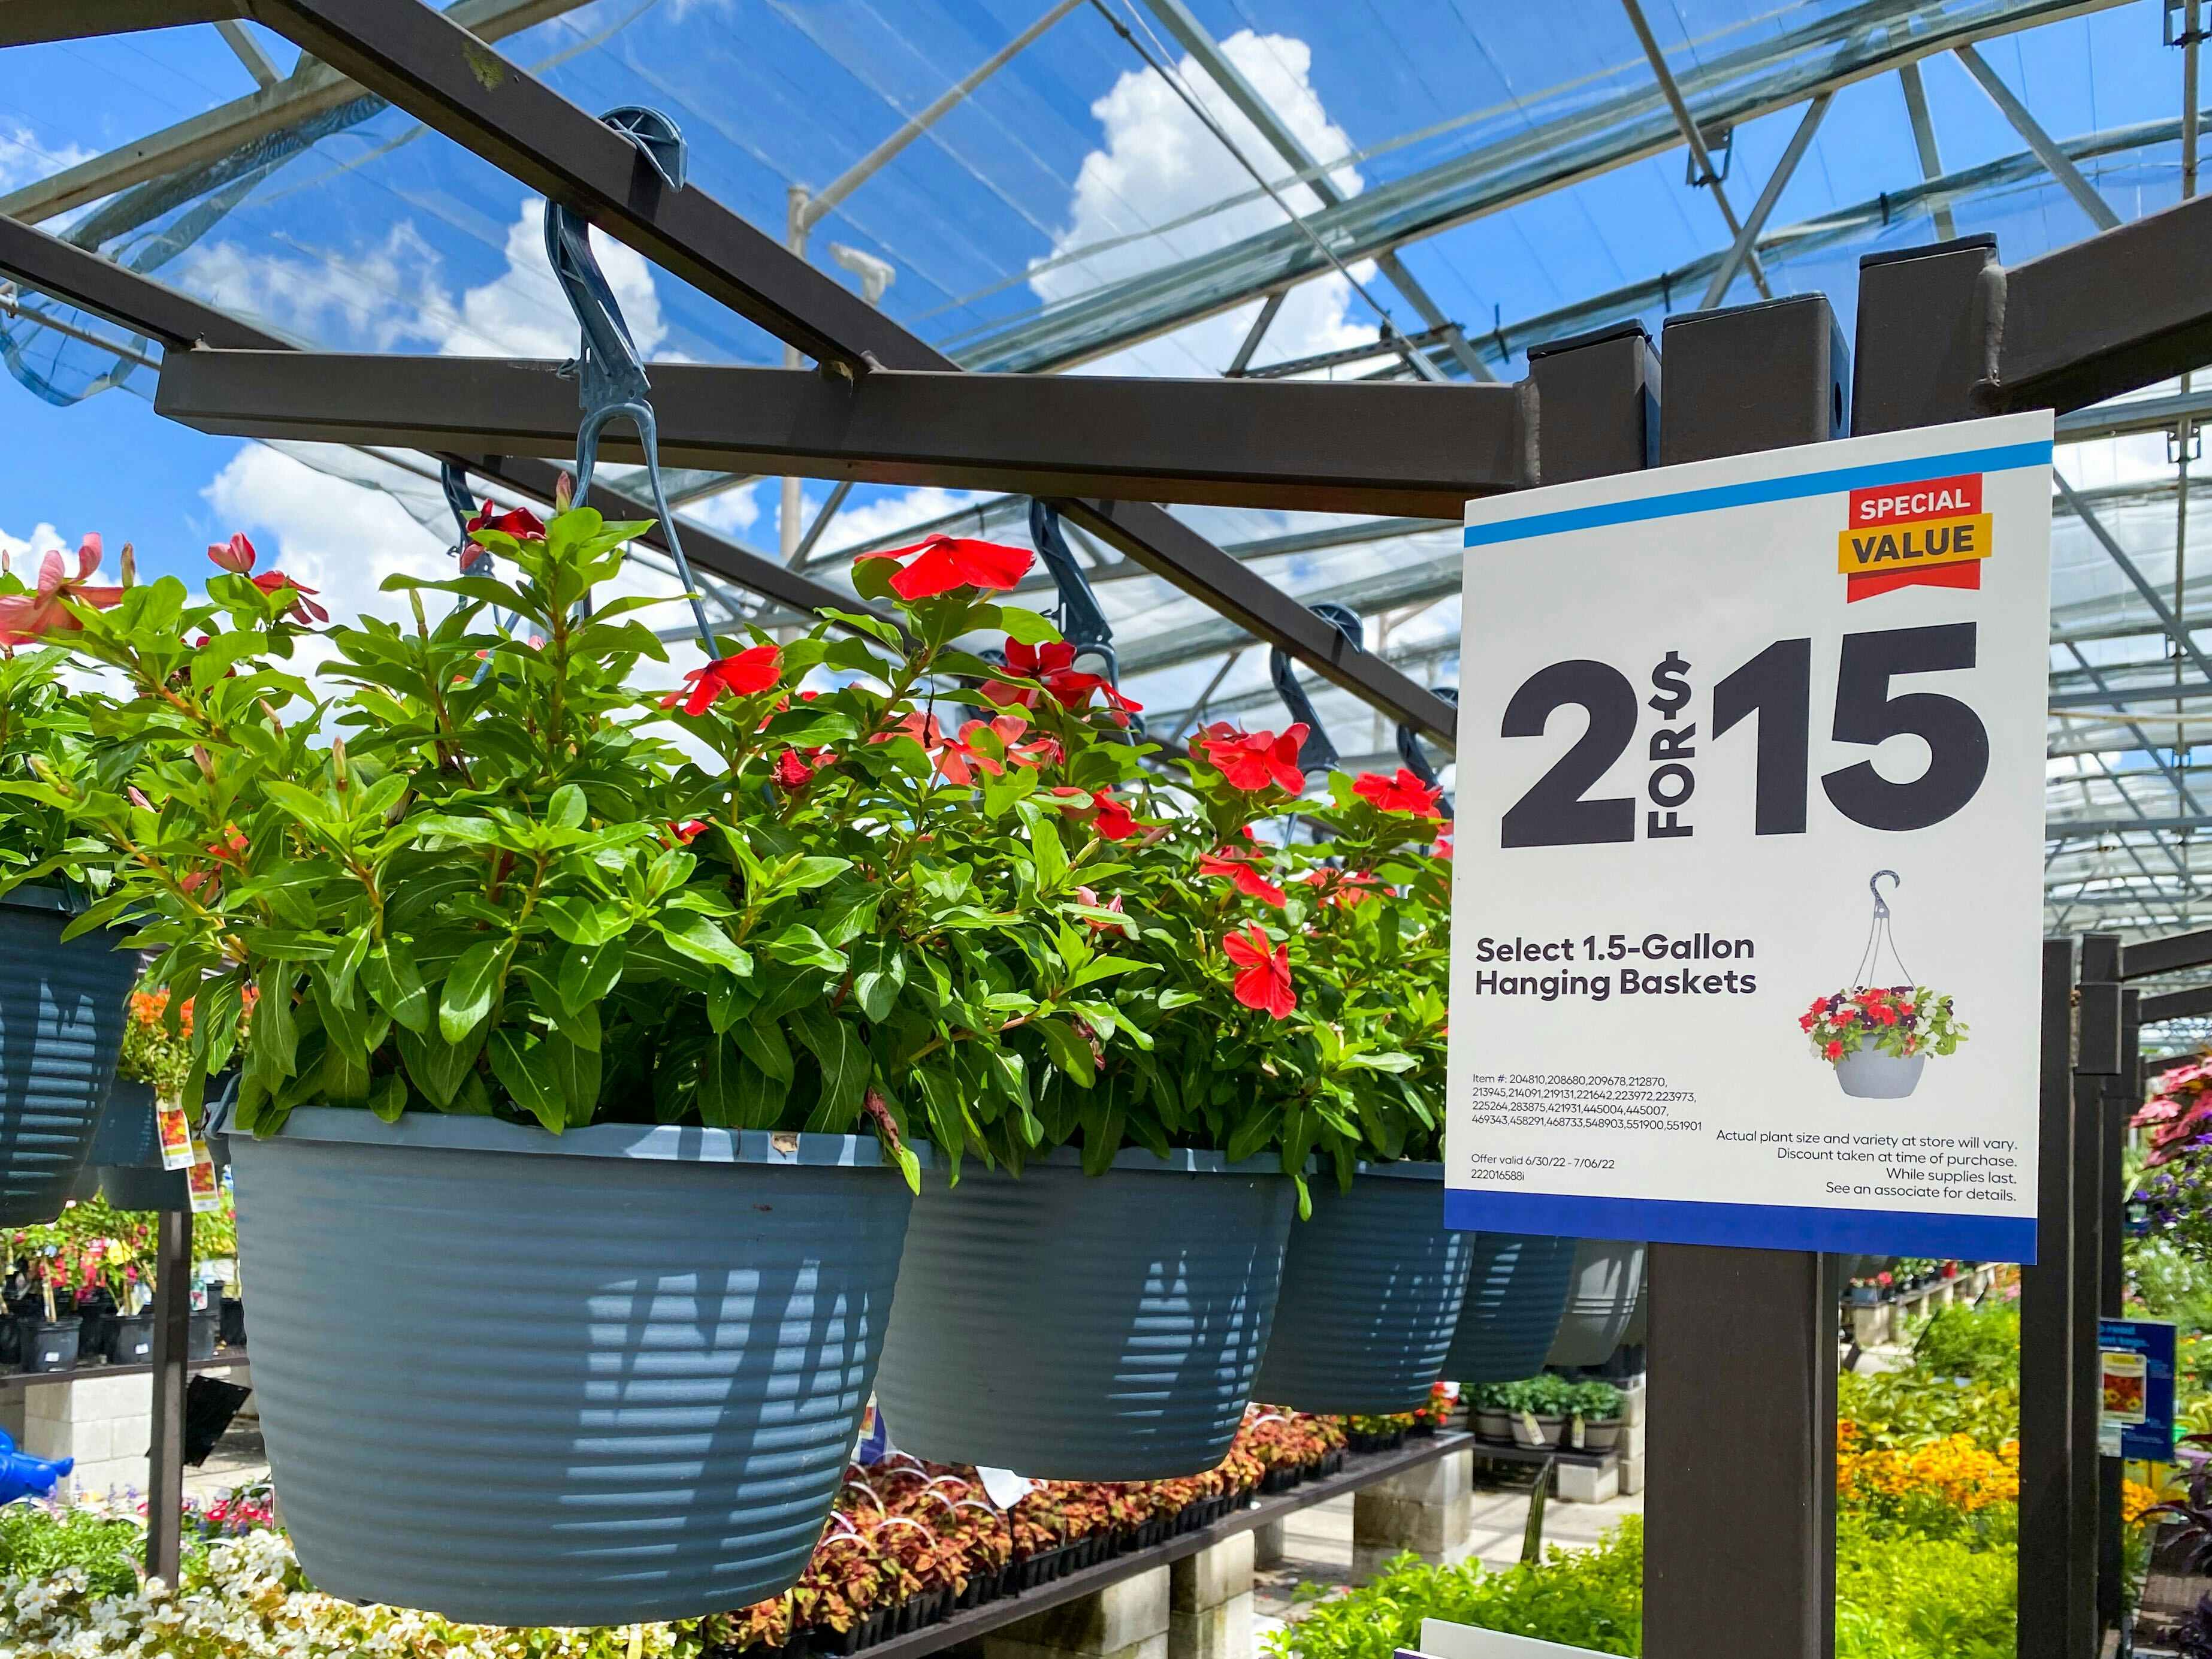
(23, 1475)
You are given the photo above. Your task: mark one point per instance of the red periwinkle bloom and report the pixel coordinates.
(1114, 822)
(1403, 793)
(1248, 881)
(1087, 897)
(236, 555)
(26, 616)
(1341, 888)
(688, 831)
(1253, 760)
(519, 522)
(1052, 666)
(791, 771)
(1444, 841)
(749, 672)
(1265, 981)
(949, 561)
(303, 606)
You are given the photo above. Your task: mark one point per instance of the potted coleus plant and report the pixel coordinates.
(62, 980)
(1879, 1038)
(1374, 1284)
(1488, 1410)
(1538, 1407)
(627, 1029)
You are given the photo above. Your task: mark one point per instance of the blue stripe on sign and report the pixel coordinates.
(1757, 1226)
(1999, 459)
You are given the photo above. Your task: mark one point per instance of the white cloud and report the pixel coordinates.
(393, 296)
(1160, 163)
(733, 513)
(24, 160)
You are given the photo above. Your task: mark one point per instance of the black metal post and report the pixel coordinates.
(1757, 1557)
(2051, 1625)
(172, 1317)
(2097, 1064)
(2123, 1094)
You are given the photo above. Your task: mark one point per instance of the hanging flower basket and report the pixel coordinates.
(126, 1152)
(1607, 1278)
(594, 1378)
(1517, 1294)
(1879, 1038)
(1372, 1287)
(61, 1029)
(1078, 1327)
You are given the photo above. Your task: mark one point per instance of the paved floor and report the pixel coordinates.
(1317, 1546)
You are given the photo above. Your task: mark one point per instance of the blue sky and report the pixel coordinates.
(382, 238)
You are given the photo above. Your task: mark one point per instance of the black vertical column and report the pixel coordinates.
(173, 1316)
(2096, 1068)
(2052, 1625)
(1742, 1349)
(2122, 1094)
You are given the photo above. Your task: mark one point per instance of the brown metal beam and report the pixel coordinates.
(1382, 447)
(69, 272)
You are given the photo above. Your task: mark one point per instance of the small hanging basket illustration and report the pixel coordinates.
(1878, 1036)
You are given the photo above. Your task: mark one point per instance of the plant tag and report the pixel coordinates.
(200, 1179)
(1004, 1487)
(1530, 1426)
(1575, 1436)
(176, 1135)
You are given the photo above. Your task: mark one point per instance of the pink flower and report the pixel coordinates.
(519, 522)
(236, 555)
(1403, 793)
(303, 606)
(28, 616)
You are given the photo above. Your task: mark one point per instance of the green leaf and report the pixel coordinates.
(575, 1071)
(471, 985)
(703, 939)
(1027, 626)
(581, 922)
(437, 1067)
(567, 809)
(345, 962)
(526, 1075)
(276, 1032)
(388, 1098)
(1045, 848)
(762, 1040)
(589, 972)
(1070, 1051)
(836, 1047)
(801, 946)
(878, 975)
(394, 981)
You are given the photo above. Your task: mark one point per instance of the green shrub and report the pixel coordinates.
(36, 1541)
(1980, 1344)
(1918, 1598)
(1594, 1402)
(1913, 1408)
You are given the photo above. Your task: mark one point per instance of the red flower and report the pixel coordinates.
(305, 608)
(1086, 896)
(1341, 888)
(1835, 1051)
(688, 831)
(792, 770)
(950, 562)
(1248, 881)
(1052, 666)
(1255, 761)
(960, 760)
(1111, 819)
(231, 846)
(236, 555)
(1265, 981)
(749, 672)
(1403, 793)
(519, 522)
(26, 616)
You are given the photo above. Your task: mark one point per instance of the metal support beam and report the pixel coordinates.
(2173, 775)
(1370, 447)
(2097, 828)
(1708, 174)
(1257, 333)
(828, 510)
(2171, 624)
(247, 51)
(2047, 148)
(1732, 1325)
(179, 321)
(2048, 1527)
(1180, 22)
(1747, 238)
(1924, 140)
(2122, 696)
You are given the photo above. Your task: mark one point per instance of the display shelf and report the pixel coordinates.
(1498, 1452)
(15, 1381)
(1360, 1469)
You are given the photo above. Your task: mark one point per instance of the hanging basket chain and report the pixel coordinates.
(1878, 934)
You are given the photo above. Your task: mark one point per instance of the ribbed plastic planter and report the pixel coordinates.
(61, 1029)
(1601, 1300)
(1082, 1329)
(1372, 1285)
(1516, 1293)
(126, 1149)
(598, 1378)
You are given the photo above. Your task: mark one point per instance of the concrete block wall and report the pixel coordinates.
(1128, 1620)
(1210, 1602)
(1428, 1510)
(105, 1422)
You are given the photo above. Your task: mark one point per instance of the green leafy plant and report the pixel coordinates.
(38, 1540)
(1899, 1020)
(1595, 1401)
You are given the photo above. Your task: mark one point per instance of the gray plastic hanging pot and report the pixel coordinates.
(126, 1149)
(638, 1407)
(1372, 1285)
(1517, 1294)
(1601, 1300)
(1085, 1329)
(61, 1028)
(1640, 1317)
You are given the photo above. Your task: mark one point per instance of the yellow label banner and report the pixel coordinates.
(1876, 551)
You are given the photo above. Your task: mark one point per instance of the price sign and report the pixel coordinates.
(1748, 900)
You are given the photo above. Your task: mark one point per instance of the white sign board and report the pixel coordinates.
(1749, 895)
